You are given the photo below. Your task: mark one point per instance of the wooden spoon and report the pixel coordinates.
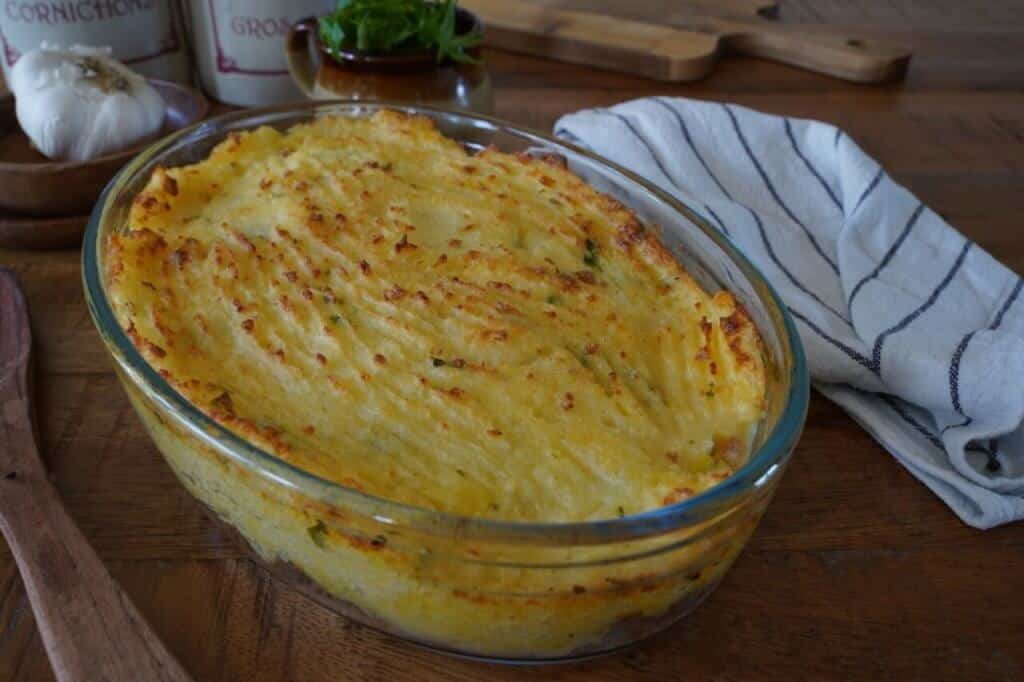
(90, 628)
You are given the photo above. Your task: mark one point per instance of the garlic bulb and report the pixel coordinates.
(78, 104)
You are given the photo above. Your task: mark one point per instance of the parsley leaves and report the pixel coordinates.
(590, 255)
(390, 25)
(317, 533)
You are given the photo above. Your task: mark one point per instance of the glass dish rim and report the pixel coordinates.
(761, 467)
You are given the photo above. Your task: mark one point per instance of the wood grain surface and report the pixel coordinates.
(90, 628)
(856, 572)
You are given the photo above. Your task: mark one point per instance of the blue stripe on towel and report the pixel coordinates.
(785, 271)
(954, 365)
(567, 135)
(868, 190)
(771, 189)
(693, 147)
(898, 408)
(1006, 306)
(954, 372)
(905, 322)
(718, 220)
(810, 167)
(966, 422)
(850, 352)
(645, 143)
(888, 255)
(993, 463)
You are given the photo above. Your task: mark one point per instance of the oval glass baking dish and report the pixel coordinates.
(500, 590)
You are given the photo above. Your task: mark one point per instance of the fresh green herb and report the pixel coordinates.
(553, 299)
(335, 319)
(590, 255)
(392, 25)
(317, 533)
(438, 362)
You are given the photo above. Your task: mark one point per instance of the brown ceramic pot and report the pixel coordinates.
(412, 76)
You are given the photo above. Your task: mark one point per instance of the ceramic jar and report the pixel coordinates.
(147, 35)
(239, 47)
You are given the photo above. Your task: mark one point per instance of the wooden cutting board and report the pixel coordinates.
(678, 40)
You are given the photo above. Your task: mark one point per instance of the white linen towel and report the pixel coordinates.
(914, 330)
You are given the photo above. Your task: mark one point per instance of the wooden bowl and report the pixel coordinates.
(32, 185)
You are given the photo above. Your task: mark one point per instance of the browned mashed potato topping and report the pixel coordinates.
(483, 334)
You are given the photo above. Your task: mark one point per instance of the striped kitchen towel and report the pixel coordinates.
(914, 330)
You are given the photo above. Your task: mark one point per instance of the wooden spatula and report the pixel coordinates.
(91, 630)
(677, 41)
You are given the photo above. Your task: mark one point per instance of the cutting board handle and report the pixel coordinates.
(677, 51)
(850, 58)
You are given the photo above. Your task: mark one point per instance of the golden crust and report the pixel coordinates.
(485, 334)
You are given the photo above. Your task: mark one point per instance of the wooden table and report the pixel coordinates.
(857, 571)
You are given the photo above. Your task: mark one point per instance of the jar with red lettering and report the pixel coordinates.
(239, 47)
(147, 35)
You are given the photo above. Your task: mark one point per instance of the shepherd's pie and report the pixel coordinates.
(478, 333)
